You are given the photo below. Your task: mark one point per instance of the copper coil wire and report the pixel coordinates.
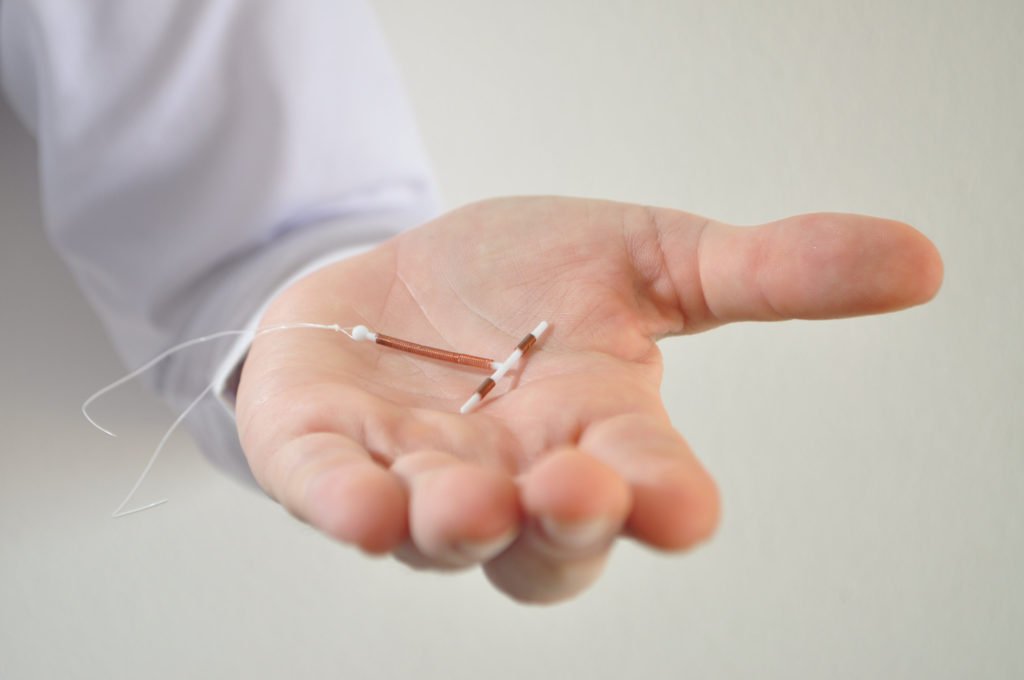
(434, 352)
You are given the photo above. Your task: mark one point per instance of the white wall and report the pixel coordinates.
(872, 470)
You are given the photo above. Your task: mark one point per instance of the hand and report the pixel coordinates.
(366, 443)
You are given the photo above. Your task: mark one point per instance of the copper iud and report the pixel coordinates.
(511, 362)
(500, 368)
(364, 333)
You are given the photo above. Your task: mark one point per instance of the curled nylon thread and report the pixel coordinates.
(120, 511)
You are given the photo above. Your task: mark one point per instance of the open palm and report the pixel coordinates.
(575, 448)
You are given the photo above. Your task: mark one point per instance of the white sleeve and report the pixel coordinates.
(195, 155)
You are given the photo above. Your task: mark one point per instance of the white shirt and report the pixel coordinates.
(194, 156)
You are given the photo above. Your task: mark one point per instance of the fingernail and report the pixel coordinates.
(577, 534)
(481, 551)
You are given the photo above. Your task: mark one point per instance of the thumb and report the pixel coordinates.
(816, 266)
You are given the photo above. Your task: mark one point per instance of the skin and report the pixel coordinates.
(367, 445)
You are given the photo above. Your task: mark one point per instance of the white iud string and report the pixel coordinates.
(120, 511)
(356, 333)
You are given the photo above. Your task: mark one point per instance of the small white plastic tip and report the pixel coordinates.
(470, 404)
(507, 365)
(540, 329)
(362, 333)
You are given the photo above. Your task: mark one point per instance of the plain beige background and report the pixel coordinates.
(872, 470)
